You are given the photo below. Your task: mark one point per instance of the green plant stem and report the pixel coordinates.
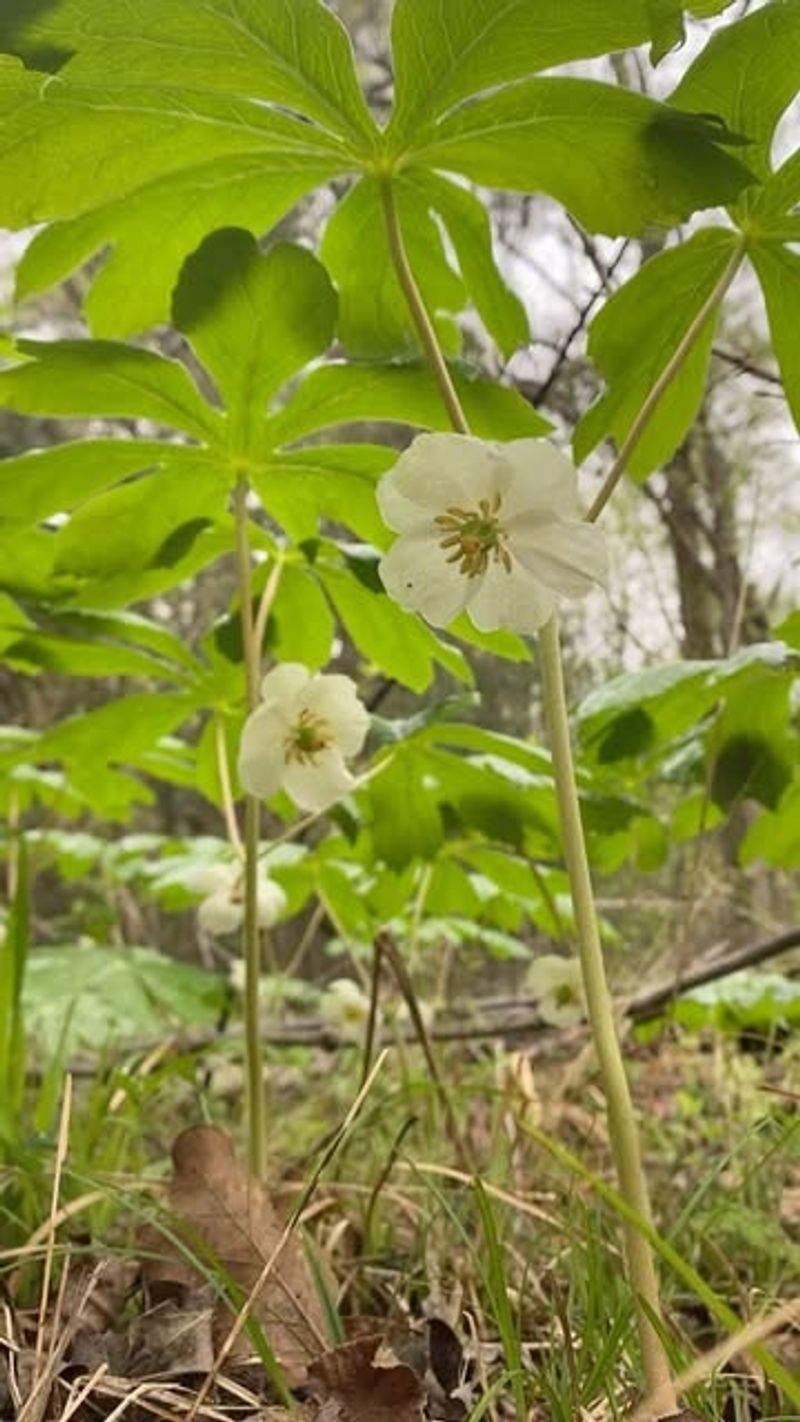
(418, 311)
(256, 1101)
(623, 1129)
(621, 1118)
(648, 407)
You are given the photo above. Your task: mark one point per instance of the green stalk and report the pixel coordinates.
(621, 1119)
(256, 1100)
(418, 311)
(622, 1125)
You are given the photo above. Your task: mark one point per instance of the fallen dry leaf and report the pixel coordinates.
(170, 1341)
(227, 1220)
(363, 1382)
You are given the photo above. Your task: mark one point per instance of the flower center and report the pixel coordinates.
(473, 536)
(565, 995)
(309, 736)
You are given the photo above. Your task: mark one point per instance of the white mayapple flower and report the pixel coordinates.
(344, 1006)
(222, 908)
(558, 985)
(493, 528)
(299, 736)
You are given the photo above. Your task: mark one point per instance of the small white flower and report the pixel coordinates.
(219, 914)
(493, 528)
(222, 909)
(345, 1008)
(558, 985)
(299, 736)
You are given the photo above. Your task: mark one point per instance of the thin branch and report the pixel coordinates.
(311, 1033)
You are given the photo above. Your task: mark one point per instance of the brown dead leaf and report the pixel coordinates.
(363, 1382)
(170, 1341)
(226, 1219)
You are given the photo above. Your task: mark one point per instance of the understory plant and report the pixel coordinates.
(170, 138)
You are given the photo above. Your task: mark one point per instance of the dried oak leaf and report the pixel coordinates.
(363, 1382)
(227, 1221)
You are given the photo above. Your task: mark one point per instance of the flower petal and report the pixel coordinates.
(568, 557)
(516, 601)
(436, 472)
(220, 914)
(543, 480)
(284, 683)
(317, 785)
(208, 879)
(415, 572)
(560, 1014)
(549, 972)
(335, 698)
(271, 902)
(262, 756)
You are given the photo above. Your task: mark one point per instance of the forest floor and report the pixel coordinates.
(374, 1280)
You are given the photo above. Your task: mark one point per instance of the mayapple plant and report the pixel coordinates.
(170, 137)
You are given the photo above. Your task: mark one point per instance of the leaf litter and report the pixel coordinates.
(136, 1336)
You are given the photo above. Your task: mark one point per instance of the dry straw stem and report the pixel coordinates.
(62, 1147)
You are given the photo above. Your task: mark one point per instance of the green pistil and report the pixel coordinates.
(310, 735)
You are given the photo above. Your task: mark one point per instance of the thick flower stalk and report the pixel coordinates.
(480, 529)
(299, 736)
(495, 529)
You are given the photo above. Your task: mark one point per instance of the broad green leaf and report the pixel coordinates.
(92, 744)
(615, 159)
(85, 378)
(294, 54)
(778, 270)
(403, 394)
(406, 823)
(42, 482)
(138, 524)
(667, 25)
(163, 644)
(774, 838)
(26, 564)
(301, 626)
(163, 124)
(70, 147)
(635, 335)
(501, 643)
(336, 482)
(633, 713)
(109, 995)
(63, 656)
(252, 319)
(373, 317)
(126, 296)
(779, 194)
(81, 642)
(393, 640)
(751, 999)
(753, 752)
(448, 52)
(747, 74)
(467, 222)
(451, 891)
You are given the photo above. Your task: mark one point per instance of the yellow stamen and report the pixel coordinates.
(475, 535)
